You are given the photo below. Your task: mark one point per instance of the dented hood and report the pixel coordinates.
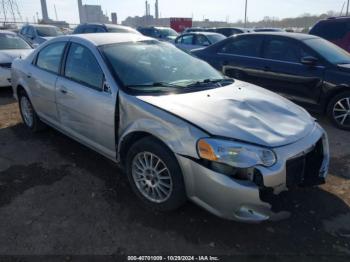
(240, 111)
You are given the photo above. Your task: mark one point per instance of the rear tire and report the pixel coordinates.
(155, 175)
(338, 110)
(28, 114)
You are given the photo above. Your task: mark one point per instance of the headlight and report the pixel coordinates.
(235, 154)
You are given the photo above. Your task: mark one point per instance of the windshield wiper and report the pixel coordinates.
(155, 84)
(206, 82)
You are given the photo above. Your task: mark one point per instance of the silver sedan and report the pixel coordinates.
(179, 128)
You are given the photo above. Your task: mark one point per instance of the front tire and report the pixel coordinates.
(155, 175)
(339, 110)
(28, 114)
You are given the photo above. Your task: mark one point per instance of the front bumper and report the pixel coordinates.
(5, 77)
(238, 200)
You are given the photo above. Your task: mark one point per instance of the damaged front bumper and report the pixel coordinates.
(304, 163)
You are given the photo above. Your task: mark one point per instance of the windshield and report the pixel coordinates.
(141, 65)
(9, 41)
(329, 51)
(122, 30)
(165, 32)
(48, 31)
(216, 38)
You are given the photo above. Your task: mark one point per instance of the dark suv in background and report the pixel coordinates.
(306, 69)
(90, 28)
(336, 30)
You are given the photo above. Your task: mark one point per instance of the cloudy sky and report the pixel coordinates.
(212, 9)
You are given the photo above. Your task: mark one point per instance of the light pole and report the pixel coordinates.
(246, 8)
(347, 9)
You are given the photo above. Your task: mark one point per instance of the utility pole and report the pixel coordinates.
(246, 9)
(347, 8)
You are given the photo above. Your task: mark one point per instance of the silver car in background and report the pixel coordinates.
(38, 34)
(11, 47)
(191, 41)
(179, 128)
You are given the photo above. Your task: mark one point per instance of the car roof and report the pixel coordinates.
(297, 36)
(330, 19)
(7, 32)
(39, 25)
(99, 39)
(202, 33)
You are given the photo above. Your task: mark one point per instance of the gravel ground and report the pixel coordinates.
(58, 197)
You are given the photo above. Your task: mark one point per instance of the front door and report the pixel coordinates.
(284, 72)
(86, 110)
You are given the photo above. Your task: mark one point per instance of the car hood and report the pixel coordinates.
(7, 56)
(240, 111)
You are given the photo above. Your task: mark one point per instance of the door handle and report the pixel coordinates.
(63, 90)
(29, 75)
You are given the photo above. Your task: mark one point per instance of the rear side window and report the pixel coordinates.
(24, 30)
(82, 67)
(89, 29)
(50, 57)
(248, 46)
(202, 40)
(283, 50)
(331, 30)
(187, 40)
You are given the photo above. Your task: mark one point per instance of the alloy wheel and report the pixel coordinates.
(27, 111)
(152, 177)
(341, 112)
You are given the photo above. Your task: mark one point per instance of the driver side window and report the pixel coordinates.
(82, 67)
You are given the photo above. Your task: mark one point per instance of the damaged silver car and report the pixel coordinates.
(179, 128)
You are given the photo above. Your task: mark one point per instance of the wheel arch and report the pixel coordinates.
(334, 93)
(128, 140)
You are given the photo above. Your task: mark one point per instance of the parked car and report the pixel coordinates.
(178, 127)
(306, 69)
(230, 31)
(266, 29)
(11, 47)
(199, 29)
(38, 34)
(161, 33)
(89, 28)
(335, 30)
(190, 41)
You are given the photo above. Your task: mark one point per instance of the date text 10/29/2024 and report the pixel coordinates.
(173, 258)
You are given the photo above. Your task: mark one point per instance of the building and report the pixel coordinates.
(44, 10)
(46, 19)
(91, 14)
(114, 18)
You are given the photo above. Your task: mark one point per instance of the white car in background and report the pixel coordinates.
(190, 41)
(11, 47)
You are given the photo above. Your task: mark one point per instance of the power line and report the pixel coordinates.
(10, 11)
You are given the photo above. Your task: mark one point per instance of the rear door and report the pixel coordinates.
(285, 74)
(42, 79)
(240, 58)
(86, 107)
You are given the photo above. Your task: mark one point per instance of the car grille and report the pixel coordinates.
(305, 170)
(6, 65)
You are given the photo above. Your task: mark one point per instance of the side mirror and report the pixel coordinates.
(309, 60)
